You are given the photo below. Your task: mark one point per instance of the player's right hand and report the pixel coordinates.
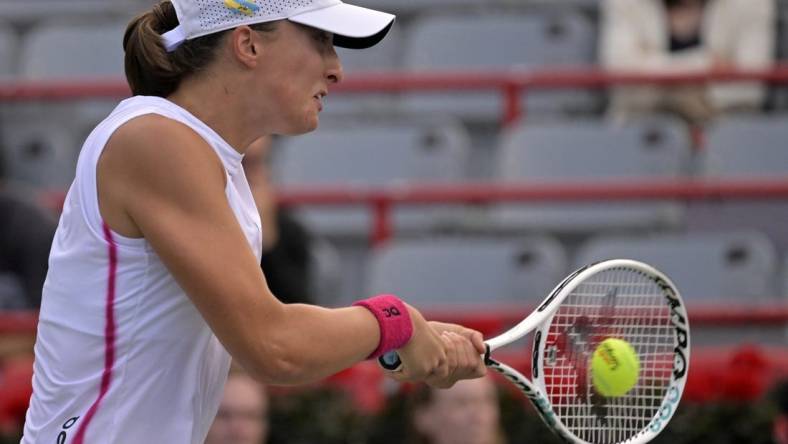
(436, 356)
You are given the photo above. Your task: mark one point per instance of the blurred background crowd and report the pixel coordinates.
(480, 153)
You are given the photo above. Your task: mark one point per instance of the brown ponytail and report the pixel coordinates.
(150, 69)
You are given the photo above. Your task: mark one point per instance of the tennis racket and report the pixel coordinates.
(618, 298)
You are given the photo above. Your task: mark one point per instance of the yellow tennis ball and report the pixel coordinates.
(615, 367)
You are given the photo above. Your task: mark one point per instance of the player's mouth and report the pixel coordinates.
(319, 97)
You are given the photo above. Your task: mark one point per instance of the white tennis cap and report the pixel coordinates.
(352, 26)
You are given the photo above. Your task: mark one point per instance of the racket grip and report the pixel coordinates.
(390, 361)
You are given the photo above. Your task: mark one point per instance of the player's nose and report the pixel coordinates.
(334, 71)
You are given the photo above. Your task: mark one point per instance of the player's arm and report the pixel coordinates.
(160, 180)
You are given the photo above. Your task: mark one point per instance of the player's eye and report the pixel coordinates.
(322, 37)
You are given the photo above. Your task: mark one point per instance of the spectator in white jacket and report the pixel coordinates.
(669, 36)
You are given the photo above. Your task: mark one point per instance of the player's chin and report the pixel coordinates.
(306, 124)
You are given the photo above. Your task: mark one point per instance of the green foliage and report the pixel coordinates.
(328, 416)
(321, 415)
(720, 424)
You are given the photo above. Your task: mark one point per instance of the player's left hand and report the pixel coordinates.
(474, 336)
(462, 360)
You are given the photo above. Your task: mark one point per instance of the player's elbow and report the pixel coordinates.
(278, 365)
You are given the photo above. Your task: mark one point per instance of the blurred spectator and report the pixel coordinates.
(468, 413)
(26, 233)
(243, 412)
(780, 430)
(16, 374)
(286, 243)
(664, 36)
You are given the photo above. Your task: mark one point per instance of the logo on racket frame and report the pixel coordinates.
(680, 325)
(541, 403)
(679, 322)
(561, 286)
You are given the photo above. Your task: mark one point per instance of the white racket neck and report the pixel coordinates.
(540, 315)
(538, 398)
(527, 325)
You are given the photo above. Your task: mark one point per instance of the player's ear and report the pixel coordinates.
(245, 45)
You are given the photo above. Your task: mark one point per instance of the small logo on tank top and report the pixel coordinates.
(63, 435)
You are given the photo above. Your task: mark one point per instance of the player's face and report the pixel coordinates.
(464, 414)
(302, 67)
(243, 414)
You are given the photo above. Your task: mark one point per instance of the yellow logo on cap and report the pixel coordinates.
(246, 7)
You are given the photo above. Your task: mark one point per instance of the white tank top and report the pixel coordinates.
(122, 354)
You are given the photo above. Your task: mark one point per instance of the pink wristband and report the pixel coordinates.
(394, 320)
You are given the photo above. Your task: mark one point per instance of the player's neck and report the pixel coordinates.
(217, 106)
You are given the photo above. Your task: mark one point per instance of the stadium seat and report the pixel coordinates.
(8, 52)
(731, 153)
(745, 148)
(38, 153)
(415, 7)
(580, 151)
(539, 39)
(43, 139)
(373, 154)
(475, 271)
(57, 50)
(383, 57)
(785, 277)
(83, 51)
(12, 292)
(326, 272)
(718, 266)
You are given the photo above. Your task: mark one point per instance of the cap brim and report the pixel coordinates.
(353, 26)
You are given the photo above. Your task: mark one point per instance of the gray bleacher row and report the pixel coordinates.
(92, 46)
(722, 266)
(429, 33)
(732, 269)
(386, 153)
(390, 153)
(719, 269)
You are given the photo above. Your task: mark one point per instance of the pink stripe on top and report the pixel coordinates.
(109, 336)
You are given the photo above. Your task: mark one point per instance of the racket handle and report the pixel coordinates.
(390, 361)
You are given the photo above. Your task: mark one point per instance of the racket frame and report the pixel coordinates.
(539, 321)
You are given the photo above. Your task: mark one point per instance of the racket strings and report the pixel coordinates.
(620, 303)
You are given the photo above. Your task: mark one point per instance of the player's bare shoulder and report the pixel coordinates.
(155, 138)
(151, 157)
(152, 145)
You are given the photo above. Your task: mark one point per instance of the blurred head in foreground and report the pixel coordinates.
(780, 430)
(243, 412)
(467, 413)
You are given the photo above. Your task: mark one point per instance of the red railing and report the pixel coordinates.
(382, 199)
(494, 319)
(511, 84)
(759, 365)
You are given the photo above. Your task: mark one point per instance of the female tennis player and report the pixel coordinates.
(154, 273)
